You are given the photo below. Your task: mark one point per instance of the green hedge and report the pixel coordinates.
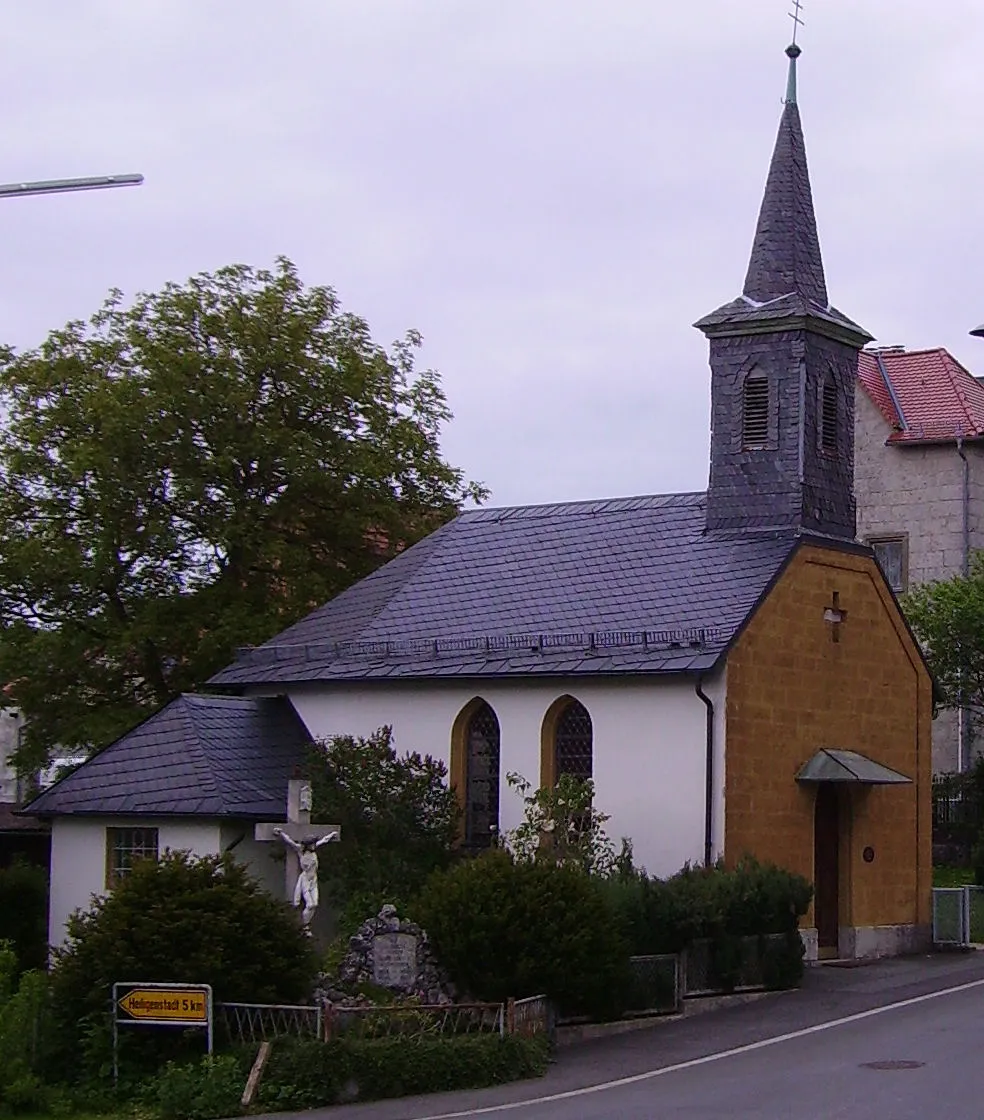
(506, 928)
(301, 1075)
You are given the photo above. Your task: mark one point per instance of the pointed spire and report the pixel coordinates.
(786, 252)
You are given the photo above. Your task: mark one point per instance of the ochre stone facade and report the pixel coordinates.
(793, 690)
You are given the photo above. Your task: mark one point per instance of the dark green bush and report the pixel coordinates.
(503, 928)
(23, 1017)
(303, 1075)
(665, 915)
(213, 1088)
(24, 913)
(199, 921)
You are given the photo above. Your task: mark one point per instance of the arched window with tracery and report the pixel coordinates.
(475, 772)
(574, 742)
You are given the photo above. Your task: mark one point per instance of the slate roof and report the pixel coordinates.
(626, 585)
(785, 278)
(215, 756)
(926, 396)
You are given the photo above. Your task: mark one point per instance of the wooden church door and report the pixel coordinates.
(826, 870)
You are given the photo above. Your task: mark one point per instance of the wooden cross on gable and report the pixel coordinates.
(303, 840)
(835, 615)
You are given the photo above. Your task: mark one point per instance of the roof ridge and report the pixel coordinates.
(202, 763)
(587, 504)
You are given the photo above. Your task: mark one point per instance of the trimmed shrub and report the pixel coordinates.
(200, 921)
(303, 1075)
(720, 906)
(24, 913)
(504, 928)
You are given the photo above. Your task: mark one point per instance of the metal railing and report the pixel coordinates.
(656, 984)
(263, 1022)
(958, 916)
(530, 1017)
(415, 1020)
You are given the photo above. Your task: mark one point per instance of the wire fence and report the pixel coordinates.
(655, 984)
(240, 1023)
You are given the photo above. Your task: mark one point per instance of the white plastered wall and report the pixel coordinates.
(78, 858)
(649, 746)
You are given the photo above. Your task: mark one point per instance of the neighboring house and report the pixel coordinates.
(22, 837)
(196, 776)
(730, 668)
(919, 481)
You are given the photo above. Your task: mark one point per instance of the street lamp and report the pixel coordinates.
(63, 186)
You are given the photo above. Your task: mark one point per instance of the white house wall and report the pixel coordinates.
(649, 746)
(78, 858)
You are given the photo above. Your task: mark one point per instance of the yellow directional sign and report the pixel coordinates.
(172, 1005)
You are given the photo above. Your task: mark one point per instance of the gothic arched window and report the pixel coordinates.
(475, 772)
(573, 741)
(755, 411)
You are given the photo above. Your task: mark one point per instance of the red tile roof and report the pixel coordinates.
(925, 395)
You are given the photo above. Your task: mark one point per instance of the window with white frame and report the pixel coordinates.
(124, 847)
(892, 556)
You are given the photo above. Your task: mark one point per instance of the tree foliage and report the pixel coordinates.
(191, 474)
(948, 618)
(399, 819)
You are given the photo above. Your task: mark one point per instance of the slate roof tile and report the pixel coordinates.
(557, 577)
(216, 756)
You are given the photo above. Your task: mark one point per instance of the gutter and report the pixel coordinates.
(708, 774)
(963, 724)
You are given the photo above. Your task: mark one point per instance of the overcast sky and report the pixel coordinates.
(552, 191)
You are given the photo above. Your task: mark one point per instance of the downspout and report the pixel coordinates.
(708, 774)
(963, 738)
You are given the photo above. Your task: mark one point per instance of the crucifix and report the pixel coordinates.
(796, 18)
(835, 615)
(303, 841)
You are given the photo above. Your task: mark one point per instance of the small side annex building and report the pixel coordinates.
(731, 668)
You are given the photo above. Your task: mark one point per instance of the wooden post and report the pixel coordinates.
(256, 1074)
(511, 1015)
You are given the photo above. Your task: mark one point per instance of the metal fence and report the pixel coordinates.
(655, 984)
(736, 965)
(530, 1017)
(415, 1020)
(263, 1022)
(958, 916)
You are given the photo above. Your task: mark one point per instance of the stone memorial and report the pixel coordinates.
(391, 953)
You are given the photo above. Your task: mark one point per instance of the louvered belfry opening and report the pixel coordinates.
(755, 412)
(482, 778)
(573, 741)
(828, 432)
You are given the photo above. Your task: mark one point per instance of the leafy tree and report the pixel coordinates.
(192, 474)
(399, 819)
(948, 618)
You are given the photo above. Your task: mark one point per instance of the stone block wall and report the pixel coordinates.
(791, 690)
(917, 492)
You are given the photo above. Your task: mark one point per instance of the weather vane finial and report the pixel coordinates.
(797, 17)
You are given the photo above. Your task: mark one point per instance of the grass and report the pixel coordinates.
(953, 876)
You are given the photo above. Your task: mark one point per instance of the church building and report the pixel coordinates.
(730, 668)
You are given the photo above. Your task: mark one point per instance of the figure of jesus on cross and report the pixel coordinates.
(306, 887)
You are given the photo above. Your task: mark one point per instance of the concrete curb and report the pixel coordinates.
(587, 1032)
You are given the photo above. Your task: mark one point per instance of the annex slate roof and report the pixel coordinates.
(926, 396)
(849, 766)
(785, 278)
(627, 585)
(215, 756)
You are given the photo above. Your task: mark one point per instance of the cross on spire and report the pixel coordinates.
(797, 18)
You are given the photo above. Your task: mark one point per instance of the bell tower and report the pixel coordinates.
(783, 369)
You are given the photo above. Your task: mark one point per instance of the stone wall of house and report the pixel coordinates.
(917, 492)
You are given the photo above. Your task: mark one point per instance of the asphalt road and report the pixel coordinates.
(804, 1054)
